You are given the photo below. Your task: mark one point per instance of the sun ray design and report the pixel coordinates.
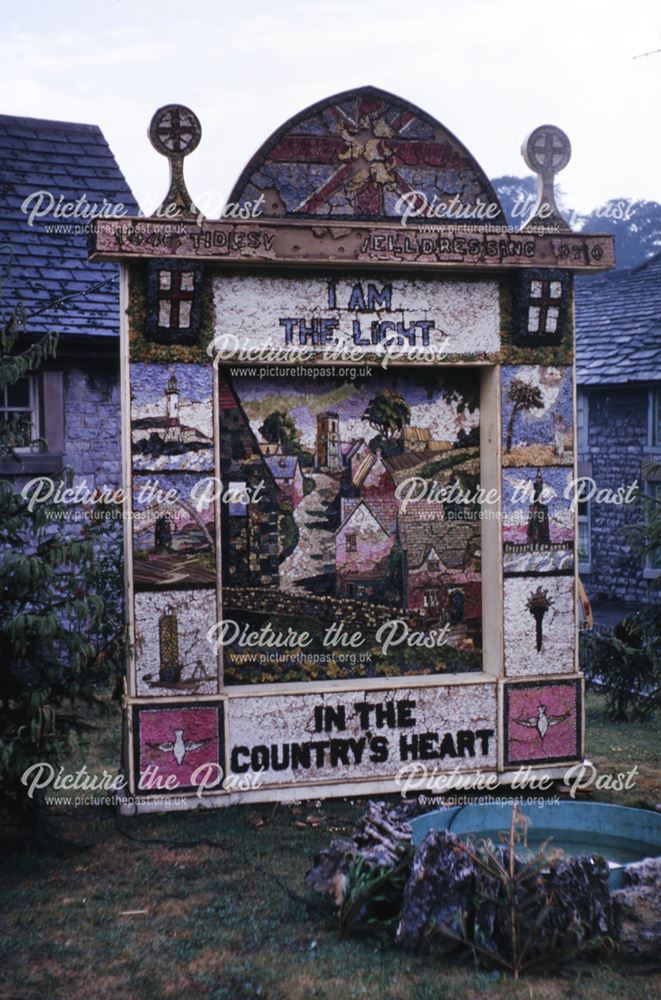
(355, 155)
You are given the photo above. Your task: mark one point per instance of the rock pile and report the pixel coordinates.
(510, 910)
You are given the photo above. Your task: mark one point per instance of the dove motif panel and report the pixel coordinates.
(543, 722)
(177, 749)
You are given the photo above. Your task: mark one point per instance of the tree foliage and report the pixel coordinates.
(626, 666)
(278, 428)
(387, 413)
(634, 222)
(523, 396)
(61, 626)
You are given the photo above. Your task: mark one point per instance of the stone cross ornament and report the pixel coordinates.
(175, 131)
(547, 151)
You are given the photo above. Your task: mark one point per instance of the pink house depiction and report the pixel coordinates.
(362, 548)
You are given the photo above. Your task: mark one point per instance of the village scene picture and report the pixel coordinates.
(340, 527)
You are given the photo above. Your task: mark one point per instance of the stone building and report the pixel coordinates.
(328, 456)
(618, 370)
(73, 400)
(441, 565)
(362, 547)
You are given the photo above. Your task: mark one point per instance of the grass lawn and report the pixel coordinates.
(125, 920)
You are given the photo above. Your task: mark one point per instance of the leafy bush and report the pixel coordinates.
(287, 531)
(626, 665)
(61, 629)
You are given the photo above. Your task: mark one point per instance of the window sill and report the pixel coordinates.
(651, 574)
(31, 465)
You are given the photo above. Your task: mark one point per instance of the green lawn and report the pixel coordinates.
(124, 920)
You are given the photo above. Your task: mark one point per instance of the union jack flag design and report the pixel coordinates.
(354, 155)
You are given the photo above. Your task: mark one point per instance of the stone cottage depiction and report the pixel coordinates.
(45, 272)
(413, 475)
(618, 371)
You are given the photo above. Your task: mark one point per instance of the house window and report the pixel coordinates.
(238, 499)
(582, 416)
(35, 405)
(430, 598)
(584, 549)
(654, 557)
(352, 543)
(655, 421)
(19, 408)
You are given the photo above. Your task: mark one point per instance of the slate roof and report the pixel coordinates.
(618, 325)
(455, 542)
(282, 466)
(67, 160)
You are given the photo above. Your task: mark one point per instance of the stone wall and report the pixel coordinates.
(92, 438)
(616, 447)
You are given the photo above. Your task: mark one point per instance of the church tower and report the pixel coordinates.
(327, 449)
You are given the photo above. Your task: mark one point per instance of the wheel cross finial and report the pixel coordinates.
(175, 131)
(547, 151)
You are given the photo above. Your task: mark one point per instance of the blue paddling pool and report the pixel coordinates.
(619, 834)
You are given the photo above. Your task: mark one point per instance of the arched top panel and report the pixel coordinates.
(354, 155)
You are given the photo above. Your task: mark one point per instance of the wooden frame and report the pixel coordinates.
(492, 676)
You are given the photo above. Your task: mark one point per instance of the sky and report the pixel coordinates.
(490, 70)
(303, 399)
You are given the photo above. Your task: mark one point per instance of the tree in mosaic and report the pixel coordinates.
(522, 396)
(388, 413)
(278, 428)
